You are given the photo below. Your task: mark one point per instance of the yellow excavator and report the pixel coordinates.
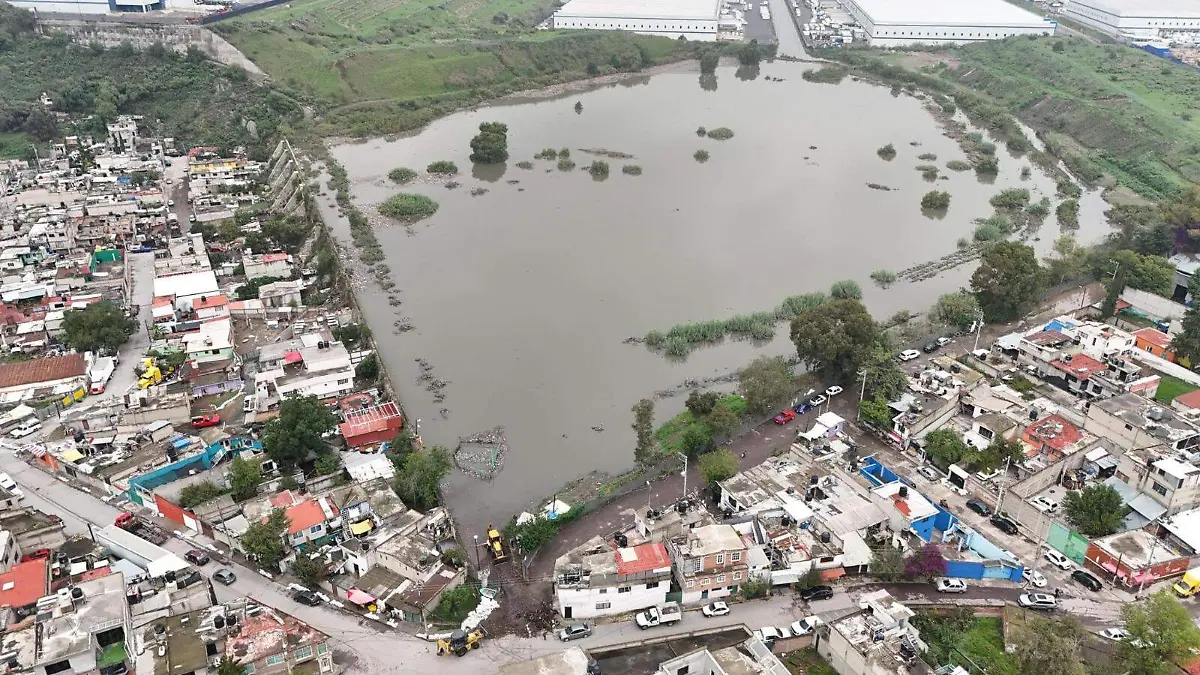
(460, 642)
(496, 545)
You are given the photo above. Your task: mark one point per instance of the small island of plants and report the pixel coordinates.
(887, 152)
(935, 200)
(401, 175)
(408, 207)
(720, 133)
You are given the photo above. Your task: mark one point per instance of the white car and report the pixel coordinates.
(817, 400)
(768, 634)
(715, 609)
(931, 473)
(943, 341)
(833, 391)
(1034, 577)
(1044, 504)
(908, 355)
(1037, 601)
(948, 585)
(1114, 634)
(806, 625)
(25, 429)
(1058, 560)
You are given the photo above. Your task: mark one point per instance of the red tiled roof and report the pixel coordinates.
(163, 301)
(283, 499)
(273, 257)
(306, 514)
(23, 584)
(1047, 337)
(1154, 336)
(1189, 400)
(1054, 431)
(1081, 366)
(371, 420)
(42, 370)
(209, 301)
(642, 558)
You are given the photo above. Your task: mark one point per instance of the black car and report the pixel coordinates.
(1087, 580)
(306, 598)
(196, 557)
(931, 347)
(816, 593)
(1004, 525)
(979, 507)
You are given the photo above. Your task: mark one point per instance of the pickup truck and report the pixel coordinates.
(658, 616)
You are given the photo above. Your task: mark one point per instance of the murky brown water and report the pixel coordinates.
(522, 296)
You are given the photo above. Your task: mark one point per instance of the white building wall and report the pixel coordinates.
(276, 268)
(702, 30)
(698, 596)
(589, 603)
(901, 35)
(1100, 17)
(336, 383)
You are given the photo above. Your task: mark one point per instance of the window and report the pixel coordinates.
(1128, 427)
(697, 564)
(322, 648)
(720, 578)
(603, 591)
(275, 660)
(60, 667)
(299, 536)
(248, 669)
(737, 576)
(653, 585)
(691, 583)
(705, 581)
(720, 558)
(603, 605)
(623, 589)
(736, 556)
(303, 652)
(315, 528)
(1160, 488)
(683, 671)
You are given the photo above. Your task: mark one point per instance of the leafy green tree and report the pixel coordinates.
(835, 338)
(1161, 635)
(945, 447)
(1007, 281)
(198, 493)
(750, 53)
(228, 666)
(723, 421)
(643, 426)
(1069, 262)
(887, 563)
(418, 479)
(875, 412)
(766, 383)
(1048, 646)
(295, 434)
(41, 124)
(1096, 510)
(1186, 343)
(1150, 273)
(1183, 214)
(532, 535)
(998, 453)
(263, 540)
(100, 325)
(490, 145)
(244, 477)
(958, 310)
(702, 403)
(308, 572)
(327, 462)
(696, 438)
(368, 369)
(936, 200)
(885, 379)
(846, 289)
(709, 60)
(718, 465)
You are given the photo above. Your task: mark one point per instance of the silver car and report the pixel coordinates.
(574, 632)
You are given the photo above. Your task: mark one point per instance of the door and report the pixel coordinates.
(704, 595)
(566, 612)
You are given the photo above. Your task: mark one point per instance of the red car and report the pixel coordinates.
(785, 416)
(206, 421)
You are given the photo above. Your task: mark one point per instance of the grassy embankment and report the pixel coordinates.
(1171, 388)
(373, 67)
(1113, 114)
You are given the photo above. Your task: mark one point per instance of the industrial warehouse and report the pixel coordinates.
(1137, 18)
(899, 23)
(691, 19)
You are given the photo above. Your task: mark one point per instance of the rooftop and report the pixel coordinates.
(1154, 336)
(370, 420)
(1189, 400)
(270, 632)
(570, 661)
(1185, 9)
(1137, 549)
(1044, 337)
(1081, 366)
(642, 558)
(46, 369)
(1158, 421)
(1185, 527)
(102, 606)
(643, 9)
(711, 539)
(308, 513)
(914, 506)
(23, 584)
(1054, 431)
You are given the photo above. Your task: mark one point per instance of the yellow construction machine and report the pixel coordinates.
(460, 642)
(496, 545)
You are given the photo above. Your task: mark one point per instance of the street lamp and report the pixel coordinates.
(647, 496)
(685, 464)
(862, 393)
(476, 551)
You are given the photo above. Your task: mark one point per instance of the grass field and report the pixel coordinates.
(13, 145)
(383, 66)
(1171, 387)
(1106, 110)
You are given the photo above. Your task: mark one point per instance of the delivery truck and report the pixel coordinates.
(1189, 584)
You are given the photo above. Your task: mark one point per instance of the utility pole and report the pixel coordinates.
(1003, 484)
(647, 497)
(978, 331)
(862, 393)
(685, 465)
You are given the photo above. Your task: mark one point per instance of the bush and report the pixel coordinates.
(936, 200)
(410, 207)
(632, 170)
(846, 289)
(927, 157)
(1067, 189)
(721, 133)
(598, 168)
(988, 232)
(957, 165)
(566, 164)
(442, 167)
(700, 156)
(1010, 199)
(887, 152)
(547, 153)
(884, 278)
(826, 75)
(987, 165)
(701, 132)
(1068, 213)
(401, 175)
(524, 164)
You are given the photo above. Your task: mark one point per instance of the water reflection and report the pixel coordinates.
(748, 73)
(489, 173)
(708, 82)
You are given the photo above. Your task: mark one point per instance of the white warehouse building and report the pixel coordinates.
(1136, 18)
(692, 19)
(899, 23)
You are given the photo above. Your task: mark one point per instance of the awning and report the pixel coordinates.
(361, 528)
(293, 357)
(359, 597)
(72, 455)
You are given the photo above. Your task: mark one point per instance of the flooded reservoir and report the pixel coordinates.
(520, 297)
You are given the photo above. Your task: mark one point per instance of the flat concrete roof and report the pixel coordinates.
(682, 10)
(948, 12)
(1152, 9)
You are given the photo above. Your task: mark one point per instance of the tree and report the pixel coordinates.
(718, 465)
(327, 462)
(1096, 510)
(532, 534)
(1070, 261)
(198, 493)
(696, 438)
(927, 562)
(100, 325)
(368, 369)
(847, 289)
(884, 377)
(263, 540)
(643, 426)
(875, 412)
(1184, 215)
(723, 421)
(1161, 635)
(244, 477)
(41, 124)
(936, 200)
(227, 666)
(709, 60)
(1150, 273)
(1186, 343)
(958, 310)
(887, 563)
(309, 572)
(1007, 281)
(1048, 646)
(490, 145)
(295, 434)
(835, 337)
(811, 578)
(418, 478)
(1112, 293)
(766, 383)
(750, 53)
(945, 447)
(249, 290)
(702, 403)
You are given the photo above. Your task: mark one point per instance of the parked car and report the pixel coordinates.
(1034, 577)
(931, 473)
(306, 598)
(931, 347)
(785, 417)
(196, 557)
(816, 593)
(816, 400)
(948, 585)
(806, 625)
(769, 634)
(1004, 525)
(1044, 504)
(833, 391)
(1086, 580)
(1058, 560)
(943, 341)
(979, 507)
(715, 609)
(202, 421)
(9, 484)
(1114, 634)
(25, 428)
(1037, 601)
(801, 408)
(574, 632)
(908, 355)
(986, 476)
(224, 576)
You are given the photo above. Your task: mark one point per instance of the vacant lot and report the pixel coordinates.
(383, 66)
